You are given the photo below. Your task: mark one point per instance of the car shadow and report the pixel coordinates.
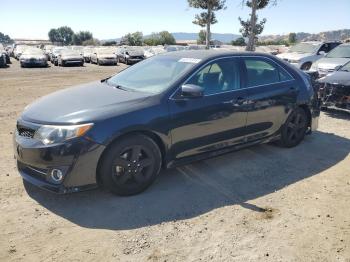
(198, 188)
(338, 113)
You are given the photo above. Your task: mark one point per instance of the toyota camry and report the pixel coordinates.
(120, 132)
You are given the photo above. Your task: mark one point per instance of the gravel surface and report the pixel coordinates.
(264, 203)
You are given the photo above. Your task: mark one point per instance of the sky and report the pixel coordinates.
(108, 19)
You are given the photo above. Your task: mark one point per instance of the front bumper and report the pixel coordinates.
(73, 62)
(33, 63)
(108, 61)
(76, 158)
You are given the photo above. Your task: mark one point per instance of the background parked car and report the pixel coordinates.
(55, 52)
(131, 55)
(47, 50)
(33, 57)
(335, 89)
(70, 57)
(19, 49)
(2, 57)
(336, 58)
(87, 51)
(104, 56)
(304, 54)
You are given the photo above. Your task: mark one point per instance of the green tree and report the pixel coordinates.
(134, 39)
(161, 38)
(54, 35)
(239, 42)
(5, 39)
(251, 28)
(207, 18)
(202, 36)
(63, 34)
(81, 37)
(165, 38)
(292, 38)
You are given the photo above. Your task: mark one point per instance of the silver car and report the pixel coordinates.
(33, 57)
(103, 56)
(70, 57)
(336, 58)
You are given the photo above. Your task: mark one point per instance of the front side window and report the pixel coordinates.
(261, 72)
(342, 51)
(217, 77)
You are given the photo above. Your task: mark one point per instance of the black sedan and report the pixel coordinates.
(168, 110)
(334, 91)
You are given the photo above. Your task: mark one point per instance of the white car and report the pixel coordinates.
(333, 60)
(304, 54)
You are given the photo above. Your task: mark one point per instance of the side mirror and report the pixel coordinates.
(191, 91)
(322, 52)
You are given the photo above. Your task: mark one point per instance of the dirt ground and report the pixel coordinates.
(264, 203)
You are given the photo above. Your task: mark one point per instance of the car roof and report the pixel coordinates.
(210, 54)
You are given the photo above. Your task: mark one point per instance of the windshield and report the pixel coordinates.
(33, 52)
(304, 48)
(153, 75)
(342, 51)
(70, 52)
(345, 68)
(105, 51)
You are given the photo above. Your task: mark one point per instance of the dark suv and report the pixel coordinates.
(165, 111)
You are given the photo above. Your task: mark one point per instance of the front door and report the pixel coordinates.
(215, 120)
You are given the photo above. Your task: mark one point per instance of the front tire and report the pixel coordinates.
(130, 165)
(294, 129)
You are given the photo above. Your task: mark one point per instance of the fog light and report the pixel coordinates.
(56, 175)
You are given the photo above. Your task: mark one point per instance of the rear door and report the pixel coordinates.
(272, 92)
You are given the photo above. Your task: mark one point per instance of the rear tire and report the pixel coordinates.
(130, 165)
(294, 129)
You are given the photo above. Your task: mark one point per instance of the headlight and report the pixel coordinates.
(56, 134)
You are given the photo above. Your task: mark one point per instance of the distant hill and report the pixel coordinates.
(301, 36)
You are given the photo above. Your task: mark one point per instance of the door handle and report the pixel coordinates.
(236, 101)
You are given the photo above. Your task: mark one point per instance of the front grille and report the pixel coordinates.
(25, 132)
(137, 57)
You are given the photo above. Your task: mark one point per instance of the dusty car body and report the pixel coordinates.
(87, 52)
(33, 57)
(104, 56)
(335, 59)
(130, 55)
(334, 89)
(69, 57)
(165, 111)
(54, 54)
(19, 49)
(304, 54)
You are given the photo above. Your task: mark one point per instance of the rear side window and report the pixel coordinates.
(261, 72)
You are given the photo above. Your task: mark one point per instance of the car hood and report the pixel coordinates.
(77, 57)
(33, 56)
(293, 55)
(339, 78)
(331, 63)
(135, 53)
(84, 103)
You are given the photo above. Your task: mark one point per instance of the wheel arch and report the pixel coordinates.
(307, 110)
(150, 134)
